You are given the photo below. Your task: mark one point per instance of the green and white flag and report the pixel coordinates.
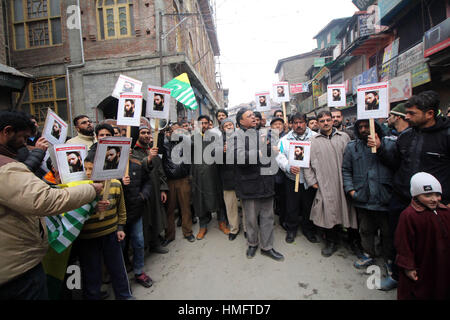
(182, 91)
(64, 228)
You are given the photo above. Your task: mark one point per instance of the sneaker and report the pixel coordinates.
(388, 283)
(190, 238)
(144, 280)
(364, 261)
(388, 267)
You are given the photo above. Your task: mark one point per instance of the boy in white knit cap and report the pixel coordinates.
(422, 240)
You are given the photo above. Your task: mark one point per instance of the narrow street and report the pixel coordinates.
(216, 268)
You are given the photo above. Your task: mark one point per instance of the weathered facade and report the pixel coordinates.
(388, 40)
(77, 58)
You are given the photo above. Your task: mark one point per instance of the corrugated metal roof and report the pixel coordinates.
(14, 72)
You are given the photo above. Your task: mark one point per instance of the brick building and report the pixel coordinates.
(12, 81)
(77, 55)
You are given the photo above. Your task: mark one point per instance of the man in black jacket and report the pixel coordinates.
(179, 186)
(425, 147)
(254, 186)
(137, 191)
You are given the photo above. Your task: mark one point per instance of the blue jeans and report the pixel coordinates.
(31, 285)
(136, 234)
(91, 252)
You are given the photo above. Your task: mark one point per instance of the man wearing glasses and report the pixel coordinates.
(85, 131)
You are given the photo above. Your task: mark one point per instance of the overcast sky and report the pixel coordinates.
(255, 34)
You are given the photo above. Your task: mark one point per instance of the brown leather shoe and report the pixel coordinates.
(201, 233)
(223, 227)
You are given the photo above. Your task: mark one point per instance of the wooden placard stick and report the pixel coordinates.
(284, 112)
(297, 181)
(156, 133)
(372, 133)
(105, 196)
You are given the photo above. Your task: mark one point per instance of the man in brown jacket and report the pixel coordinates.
(24, 202)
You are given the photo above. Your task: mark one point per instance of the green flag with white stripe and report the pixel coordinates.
(63, 229)
(182, 91)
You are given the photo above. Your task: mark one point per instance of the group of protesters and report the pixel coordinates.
(392, 203)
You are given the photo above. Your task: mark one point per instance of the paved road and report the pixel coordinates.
(216, 268)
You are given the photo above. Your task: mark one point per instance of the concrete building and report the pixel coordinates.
(294, 70)
(77, 50)
(303, 67)
(327, 36)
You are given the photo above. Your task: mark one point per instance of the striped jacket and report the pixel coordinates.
(114, 219)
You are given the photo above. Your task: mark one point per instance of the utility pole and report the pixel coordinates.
(161, 77)
(162, 36)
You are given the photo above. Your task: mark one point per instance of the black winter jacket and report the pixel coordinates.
(250, 183)
(137, 193)
(418, 150)
(32, 159)
(174, 171)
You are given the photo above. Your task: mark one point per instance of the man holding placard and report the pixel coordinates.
(369, 183)
(330, 207)
(102, 233)
(423, 147)
(298, 204)
(155, 221)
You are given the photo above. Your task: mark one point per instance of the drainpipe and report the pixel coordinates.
(73, 66)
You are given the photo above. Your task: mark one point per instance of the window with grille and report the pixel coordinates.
(45, 93)
(114, 19)
(37, 23)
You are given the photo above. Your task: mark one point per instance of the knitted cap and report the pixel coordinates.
(225, 121)
(423, 182)
(144, 127)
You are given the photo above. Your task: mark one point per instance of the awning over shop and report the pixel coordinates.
(372, 43)
(12, 78)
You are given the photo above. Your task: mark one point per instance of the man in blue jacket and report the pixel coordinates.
(424, 147)
(369, 183)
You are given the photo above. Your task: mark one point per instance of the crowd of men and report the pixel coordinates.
(348, 194)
